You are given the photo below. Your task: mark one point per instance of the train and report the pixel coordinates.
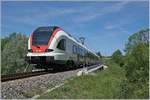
(51, 46)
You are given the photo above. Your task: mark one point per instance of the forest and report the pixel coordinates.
(135, 61)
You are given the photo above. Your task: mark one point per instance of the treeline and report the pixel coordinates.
(13, 52)
(135, 62)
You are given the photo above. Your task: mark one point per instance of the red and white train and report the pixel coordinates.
(53, 46)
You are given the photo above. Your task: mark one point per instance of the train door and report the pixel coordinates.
(78, 55)
(85, 58)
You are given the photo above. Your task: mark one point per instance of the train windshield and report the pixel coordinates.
(42, 35)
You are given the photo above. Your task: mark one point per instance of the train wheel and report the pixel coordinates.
(69, 64)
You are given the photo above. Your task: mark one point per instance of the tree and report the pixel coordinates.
(138, 37)
(3, 42)
(13, 53)
(99, 54)
(117, 57)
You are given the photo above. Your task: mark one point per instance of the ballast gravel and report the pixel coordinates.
(28, 87)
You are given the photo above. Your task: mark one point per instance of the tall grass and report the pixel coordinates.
(104, 84)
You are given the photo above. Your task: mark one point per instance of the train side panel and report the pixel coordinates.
(62, 49)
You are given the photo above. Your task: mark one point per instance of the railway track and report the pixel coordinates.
(10, 77)
(16, 76)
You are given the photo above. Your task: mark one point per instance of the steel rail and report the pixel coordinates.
(10, 77)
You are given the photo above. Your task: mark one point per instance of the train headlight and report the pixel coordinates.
(49, 50)
(30, 50)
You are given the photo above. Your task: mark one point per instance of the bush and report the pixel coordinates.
(137, 67)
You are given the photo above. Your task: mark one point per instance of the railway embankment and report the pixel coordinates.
(29, 87)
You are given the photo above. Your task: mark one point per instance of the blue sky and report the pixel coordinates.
(105, 25)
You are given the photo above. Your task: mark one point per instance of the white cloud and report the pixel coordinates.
(78, 15)
(116, 7)
(81, 14)
(34, 16)
(120, 23)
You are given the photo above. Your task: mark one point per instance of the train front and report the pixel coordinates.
(39, 51)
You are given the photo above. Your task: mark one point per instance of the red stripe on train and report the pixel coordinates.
(53, 35)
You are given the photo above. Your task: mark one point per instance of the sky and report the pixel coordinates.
(106, 25)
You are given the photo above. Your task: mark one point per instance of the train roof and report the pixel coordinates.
(46, 28)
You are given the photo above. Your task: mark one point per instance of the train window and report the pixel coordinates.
(79, 51)
(74, 49)
(42, 35)
(62, 44)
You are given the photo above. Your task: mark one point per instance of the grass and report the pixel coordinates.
(103, 84)
(35, 91)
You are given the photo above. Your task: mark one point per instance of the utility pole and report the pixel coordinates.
(82, 39)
